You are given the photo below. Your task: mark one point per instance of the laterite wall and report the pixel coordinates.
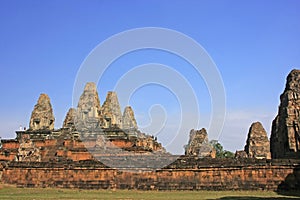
(96, 176)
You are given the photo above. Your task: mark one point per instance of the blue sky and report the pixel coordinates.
(253, 43)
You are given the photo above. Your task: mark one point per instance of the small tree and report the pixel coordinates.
(228, 154)
(220, 152)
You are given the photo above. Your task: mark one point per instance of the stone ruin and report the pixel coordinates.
(40, 156)
(87, 116)
(69, 121)
(90, 127)
(42, 117)
(285, 136)
(199, 145)
(92, 117)
(240, 154)
(128, 120)
(28, 151)
(111, 111)
(257, 145)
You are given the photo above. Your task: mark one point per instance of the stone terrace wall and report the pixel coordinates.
(266, 175)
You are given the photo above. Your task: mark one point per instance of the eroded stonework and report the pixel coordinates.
(241, 154)
(111, 111)
(42, 117)
(88, 109)
(70, 118)
(128, 121)
(285, 136)
(199, 145)
(88, 133)
(59, 158)
(257, 145)
(27, 151)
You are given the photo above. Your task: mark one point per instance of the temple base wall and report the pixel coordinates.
(263, 177)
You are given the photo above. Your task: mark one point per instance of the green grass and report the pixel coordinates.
(11, 192)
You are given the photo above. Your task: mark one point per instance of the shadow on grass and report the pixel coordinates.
(253, 198)
(291, 185)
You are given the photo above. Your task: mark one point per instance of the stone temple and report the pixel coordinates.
(42, 117)
(90, 127)
(257, 144)
(285, 136)
(199, 145)
(101, 147)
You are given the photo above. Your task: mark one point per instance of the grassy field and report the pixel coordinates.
(11, 192)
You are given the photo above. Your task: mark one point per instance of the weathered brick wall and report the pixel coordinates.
(8, 155)
(10, 144)
(92, 175)
(65, 149)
